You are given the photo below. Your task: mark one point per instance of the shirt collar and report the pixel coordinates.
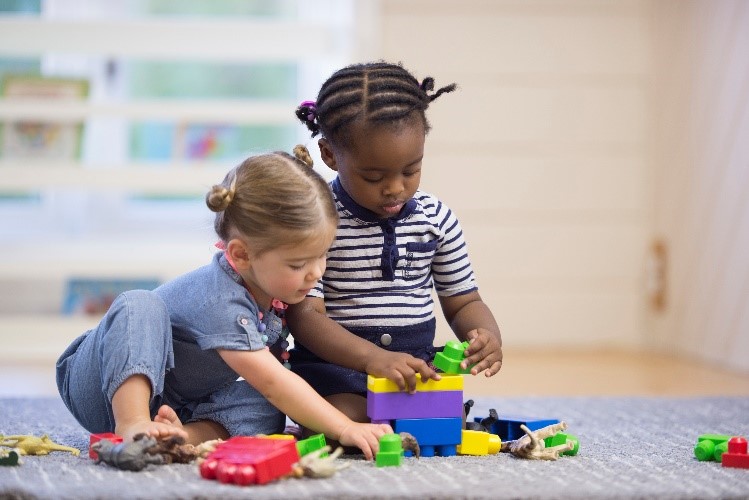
(364, 214)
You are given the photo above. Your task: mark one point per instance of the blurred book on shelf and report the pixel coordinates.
(93, 296)
(36, 139)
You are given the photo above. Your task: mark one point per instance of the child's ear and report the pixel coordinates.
(239, 254)
(326, 153)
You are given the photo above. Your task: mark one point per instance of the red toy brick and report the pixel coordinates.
(736, 456)
(95, 438)
(247, 460)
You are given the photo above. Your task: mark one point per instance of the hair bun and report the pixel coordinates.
(301, 153)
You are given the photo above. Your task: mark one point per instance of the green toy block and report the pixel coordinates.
(451, 356)
(312, 443)
(391, 451)
(8, 457)
(711, 447)
(561, 438)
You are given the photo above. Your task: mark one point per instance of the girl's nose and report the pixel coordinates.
(394, 187)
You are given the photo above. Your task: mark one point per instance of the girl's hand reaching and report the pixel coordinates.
(366, 437)
(401, 368)
(485, 350)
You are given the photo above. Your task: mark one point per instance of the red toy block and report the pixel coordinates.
(246, 460)
(736, 456)
(95, 438)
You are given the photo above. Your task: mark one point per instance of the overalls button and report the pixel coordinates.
(386, 339)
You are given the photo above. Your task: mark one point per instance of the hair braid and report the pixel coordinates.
(376, 93)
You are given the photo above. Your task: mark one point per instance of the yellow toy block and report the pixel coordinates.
(447, 383)
(287, 437)
(478, 443)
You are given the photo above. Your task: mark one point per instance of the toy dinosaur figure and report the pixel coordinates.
(311, 465)
(532, 446)
(409, 443)
(174, 450)
(132, 455)
(33, 445)
(486, 423)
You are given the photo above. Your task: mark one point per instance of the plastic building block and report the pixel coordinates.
(736, 456)
(312, 443)
(561, 438)
(95, 438)
(391, 451)
(508, 427)
(436, 436)
(711, 447)
(451, 356)
(447, 383)
(478, 443)
(8, 457)
(247, 460)
(432, 404)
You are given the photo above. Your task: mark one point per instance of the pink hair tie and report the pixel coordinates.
(220, 245)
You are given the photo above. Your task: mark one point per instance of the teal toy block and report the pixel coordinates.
(711, 447)
(451, 356)
(391, 451)
(312, 443)
(561, 438)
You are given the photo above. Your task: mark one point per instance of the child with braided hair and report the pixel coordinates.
(372, 312)
(168, 362)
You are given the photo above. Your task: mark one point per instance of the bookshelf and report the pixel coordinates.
(34, 266)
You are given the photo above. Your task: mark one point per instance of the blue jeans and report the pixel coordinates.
(135, 338)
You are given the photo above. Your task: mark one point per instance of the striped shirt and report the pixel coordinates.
(380, 272)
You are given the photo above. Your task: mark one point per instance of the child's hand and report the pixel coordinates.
(401, 368)
(485, 350)
(365, 436)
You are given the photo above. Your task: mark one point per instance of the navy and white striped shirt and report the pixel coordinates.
(381, 271)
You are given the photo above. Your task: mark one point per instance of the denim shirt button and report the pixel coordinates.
(243, 321)
(386, 339)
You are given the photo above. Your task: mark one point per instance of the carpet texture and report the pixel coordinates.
(629, 448)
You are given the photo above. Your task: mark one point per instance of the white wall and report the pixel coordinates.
(544, 153)
(701, 203)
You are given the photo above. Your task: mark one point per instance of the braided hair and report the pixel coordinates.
(377, 93)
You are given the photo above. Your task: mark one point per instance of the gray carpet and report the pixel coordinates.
(629, 448)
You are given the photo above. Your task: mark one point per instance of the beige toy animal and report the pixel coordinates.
(32, 445)
(532, 446)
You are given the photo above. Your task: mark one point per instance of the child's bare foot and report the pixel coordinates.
(165, 424)
(167, 415)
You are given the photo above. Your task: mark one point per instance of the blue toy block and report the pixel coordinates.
(508, 427)
(436, 436)
(432, 404)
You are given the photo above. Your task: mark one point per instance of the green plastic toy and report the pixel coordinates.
(711, 447)
(391, 451)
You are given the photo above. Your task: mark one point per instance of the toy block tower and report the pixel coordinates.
(434, 413)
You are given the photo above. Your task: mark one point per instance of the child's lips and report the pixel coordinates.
(392, 208)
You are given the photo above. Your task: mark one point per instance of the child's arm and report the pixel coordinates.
(294, 397)
(470, 319)
(310, 325)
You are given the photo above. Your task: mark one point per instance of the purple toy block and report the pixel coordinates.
(435, 435)
(432, 404)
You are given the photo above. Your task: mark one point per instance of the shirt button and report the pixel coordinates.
(386, 339)
(243, 321)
